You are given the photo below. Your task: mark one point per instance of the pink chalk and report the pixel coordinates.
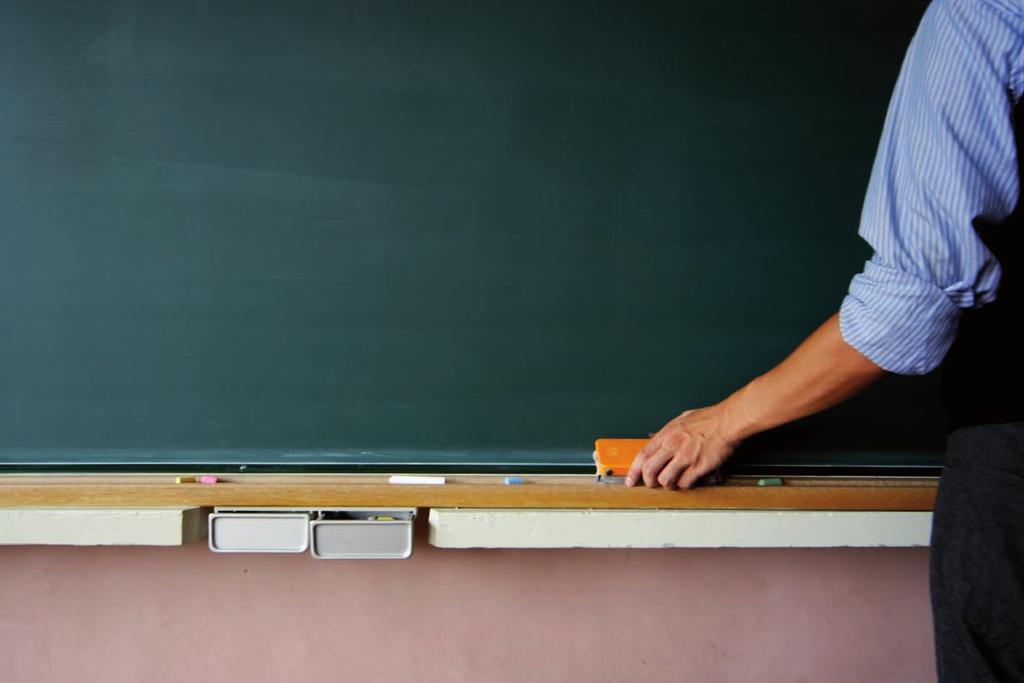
(207, 479)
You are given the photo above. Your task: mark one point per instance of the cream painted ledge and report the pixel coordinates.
(510, 528)
(166, 526)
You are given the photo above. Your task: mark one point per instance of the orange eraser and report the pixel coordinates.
(614, 456)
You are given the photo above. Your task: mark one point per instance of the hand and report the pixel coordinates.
(690, 446)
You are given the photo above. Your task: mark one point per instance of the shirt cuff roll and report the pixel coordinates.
(900, 322)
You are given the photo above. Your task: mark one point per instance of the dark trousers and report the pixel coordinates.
(977, 556)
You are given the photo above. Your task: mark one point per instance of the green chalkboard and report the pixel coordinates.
(325, 234)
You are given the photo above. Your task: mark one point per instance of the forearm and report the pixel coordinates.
(822, 372)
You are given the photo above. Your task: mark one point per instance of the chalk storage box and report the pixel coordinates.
(328, 533)
(249, 530)
(362, 534)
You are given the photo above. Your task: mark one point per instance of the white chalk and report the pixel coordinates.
(410, 479)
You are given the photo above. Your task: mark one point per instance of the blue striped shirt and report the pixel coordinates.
(947, 161)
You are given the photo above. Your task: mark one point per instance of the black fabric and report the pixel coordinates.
(983, 373)
(977, 556)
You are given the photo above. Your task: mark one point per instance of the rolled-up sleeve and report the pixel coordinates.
(947, 163)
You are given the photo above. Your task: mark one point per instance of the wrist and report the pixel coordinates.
(738, 422)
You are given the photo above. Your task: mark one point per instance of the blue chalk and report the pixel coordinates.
(513, 480)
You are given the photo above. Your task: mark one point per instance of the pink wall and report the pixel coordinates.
(183, 614)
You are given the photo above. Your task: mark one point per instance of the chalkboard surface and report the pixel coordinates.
(344, 235)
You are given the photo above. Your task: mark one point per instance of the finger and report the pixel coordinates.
(698, 465)
(670, 473)
(697, 470)
(635, 469)
(655, 463)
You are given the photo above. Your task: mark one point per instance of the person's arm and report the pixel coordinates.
(947, 162)
(820, 373)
